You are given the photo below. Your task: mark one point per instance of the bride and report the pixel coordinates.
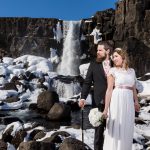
(121, 102)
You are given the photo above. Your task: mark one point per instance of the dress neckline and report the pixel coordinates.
(122, 69)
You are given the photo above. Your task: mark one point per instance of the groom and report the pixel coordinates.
(96, 76)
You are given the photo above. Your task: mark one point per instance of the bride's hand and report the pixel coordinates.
(137, 106)
(104, 114)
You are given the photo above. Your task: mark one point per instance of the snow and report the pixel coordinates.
(3, 70)
(10, 147)
(97, 35)
(16, 127)
(12, 106)
(87, 21)
(83, 69)
(53, 56)
(35, 63)
(8, 60)
(58, 32)
(7, 93)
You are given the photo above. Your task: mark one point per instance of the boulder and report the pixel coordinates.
(18, 138)
(59, 111)
(3, 145)
(33, 145)
(73, 144)
(47, 99)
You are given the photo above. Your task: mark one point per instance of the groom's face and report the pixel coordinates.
(101, 52)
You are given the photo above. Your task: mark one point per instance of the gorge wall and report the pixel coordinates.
(133, 31)
(128, 26)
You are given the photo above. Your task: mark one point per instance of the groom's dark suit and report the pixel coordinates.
(96, 77)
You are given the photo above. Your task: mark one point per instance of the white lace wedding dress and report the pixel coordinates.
(120, 121)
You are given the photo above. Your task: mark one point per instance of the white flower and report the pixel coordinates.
(95, 117)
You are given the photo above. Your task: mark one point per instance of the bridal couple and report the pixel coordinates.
(115, 96)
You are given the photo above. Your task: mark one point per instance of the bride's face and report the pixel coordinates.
(117, 59)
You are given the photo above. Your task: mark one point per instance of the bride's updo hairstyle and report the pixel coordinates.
(124, 55)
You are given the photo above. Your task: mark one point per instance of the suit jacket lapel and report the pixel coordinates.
(102, 70)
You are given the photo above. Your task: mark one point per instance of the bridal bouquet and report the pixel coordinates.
(95, 117)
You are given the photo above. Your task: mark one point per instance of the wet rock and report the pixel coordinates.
(2, 103)
(42, 86)
(139, 121)
(47, 99)
(73, 105)
(3, 145)
(75, 126)
(34, 133)
(28, 76)
(10, 132)
(33, 125)
(9, 86)
(33, 145)
(39, 135)
(14, 79)
(59, 111)
(53, 139)
(144, 77)
(57, 137)
(73, 144)
(33, 106)
(3, 115)
(12, 99)
(7, 137)
(18, 138)
(61, 133)
(9, 119)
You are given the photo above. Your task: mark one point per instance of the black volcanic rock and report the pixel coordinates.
(47, 99)
(133, 31)
(3, 145)
(20, 36)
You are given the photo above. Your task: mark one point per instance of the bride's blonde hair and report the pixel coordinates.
(124, 55)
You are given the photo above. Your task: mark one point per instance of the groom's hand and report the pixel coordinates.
(81, 103)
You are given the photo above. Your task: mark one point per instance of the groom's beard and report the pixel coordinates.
(100, 59)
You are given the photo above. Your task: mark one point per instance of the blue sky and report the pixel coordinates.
(61, 9)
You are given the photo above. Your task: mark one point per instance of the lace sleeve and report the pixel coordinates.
(138, 84)
(111, 72)
(134, 75)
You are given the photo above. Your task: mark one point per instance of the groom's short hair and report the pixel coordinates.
(106, 44)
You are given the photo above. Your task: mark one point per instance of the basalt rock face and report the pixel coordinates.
(104, 22)
(133, 32)
(128, 27)
(19, 36)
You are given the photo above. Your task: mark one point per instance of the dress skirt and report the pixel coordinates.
(120, 122)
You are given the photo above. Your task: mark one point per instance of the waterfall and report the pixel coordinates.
(70, 60)
(65, 28)
(66, 90)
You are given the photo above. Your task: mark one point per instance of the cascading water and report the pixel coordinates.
(70, 61)
(67, 90)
